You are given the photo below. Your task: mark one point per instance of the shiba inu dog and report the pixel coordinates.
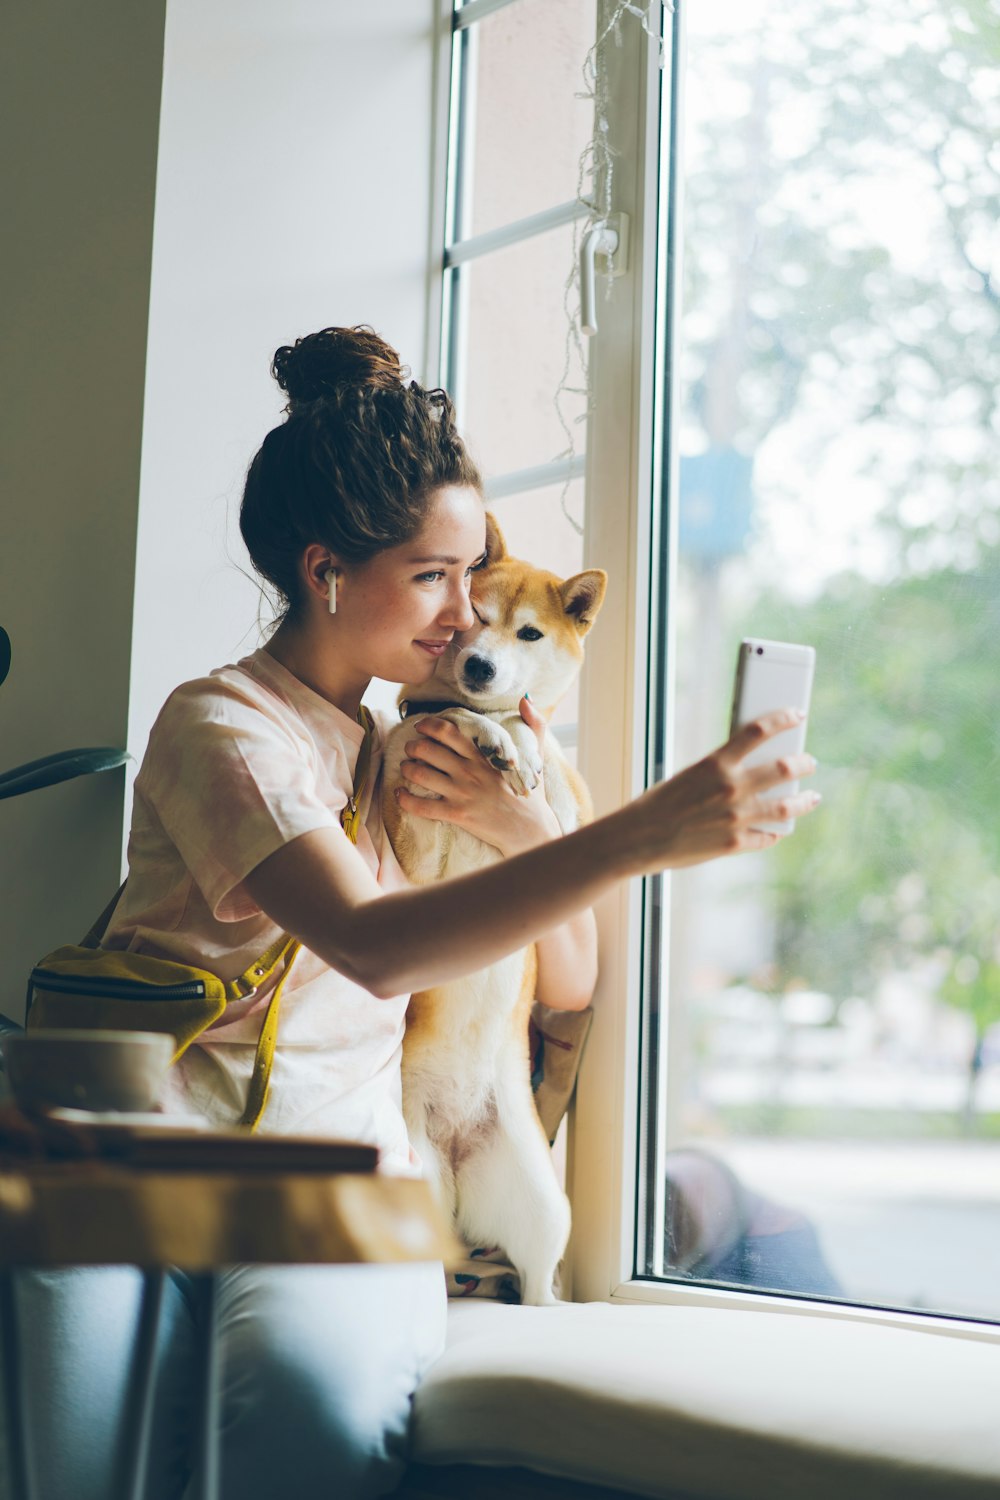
(466, 1085)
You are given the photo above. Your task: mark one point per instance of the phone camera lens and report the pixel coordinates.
(760, 650)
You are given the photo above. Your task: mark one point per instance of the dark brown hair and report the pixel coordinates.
(356, 462)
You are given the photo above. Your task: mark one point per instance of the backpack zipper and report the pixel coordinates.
(127, 989)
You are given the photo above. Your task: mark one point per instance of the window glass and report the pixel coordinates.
(834, 1038)
(527, 124)
(512, 364)
(515, 351)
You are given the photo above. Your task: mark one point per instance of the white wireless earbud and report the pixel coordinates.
(331, 582)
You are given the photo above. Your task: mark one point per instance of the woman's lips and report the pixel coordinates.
(434, 648)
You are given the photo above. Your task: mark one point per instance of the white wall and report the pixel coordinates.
(79, 104)
(293, 192)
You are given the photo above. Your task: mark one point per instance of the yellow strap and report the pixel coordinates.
(260, 970)
(287, 947)
(350, 818)
(260, 1083)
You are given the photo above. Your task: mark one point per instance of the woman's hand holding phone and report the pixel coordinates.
(711, 808)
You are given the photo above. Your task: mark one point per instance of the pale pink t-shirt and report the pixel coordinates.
(240, 763)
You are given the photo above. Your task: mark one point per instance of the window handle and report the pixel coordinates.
(608, 238)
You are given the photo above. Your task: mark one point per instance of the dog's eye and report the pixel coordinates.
(529, 633)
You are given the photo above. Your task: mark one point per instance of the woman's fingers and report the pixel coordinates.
(757, 732)
(432, 753)
(446, 766)
(438, 809)
(444, 732)
(774, 772)
(427, 777)
(758, 838)
(455, 770)
(743, 786)
(716, 806)
(780, 809)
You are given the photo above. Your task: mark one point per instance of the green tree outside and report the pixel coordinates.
(791, 309)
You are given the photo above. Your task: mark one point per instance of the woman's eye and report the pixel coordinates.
(529, 633)
(429, 577)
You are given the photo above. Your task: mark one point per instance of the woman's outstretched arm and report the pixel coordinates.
(319, 889)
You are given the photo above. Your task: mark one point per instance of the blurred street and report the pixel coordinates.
(901, 1224)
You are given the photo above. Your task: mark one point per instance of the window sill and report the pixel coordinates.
(652, 1400)
(681, 1293)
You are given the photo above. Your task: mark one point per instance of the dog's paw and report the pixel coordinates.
(496, 745)
(493, 753)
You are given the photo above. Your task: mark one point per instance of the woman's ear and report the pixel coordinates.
(317, 561)
(496, 547)
(583, 595)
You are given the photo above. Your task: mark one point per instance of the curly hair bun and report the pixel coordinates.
(336, 360)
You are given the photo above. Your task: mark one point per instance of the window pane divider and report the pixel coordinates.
(512, 234)
(559, 471)
(477, 10)
(566, 734)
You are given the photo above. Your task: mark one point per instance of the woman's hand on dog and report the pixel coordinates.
(712, 808)
(708, 810)
(469, 792)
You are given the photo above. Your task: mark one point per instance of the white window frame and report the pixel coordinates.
(623, 461)
(617, 751)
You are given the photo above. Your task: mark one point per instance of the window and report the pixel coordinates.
(794, 407)
(517, 132)
(510, 218)
(834, 1004)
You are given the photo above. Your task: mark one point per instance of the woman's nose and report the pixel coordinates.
(458, 612)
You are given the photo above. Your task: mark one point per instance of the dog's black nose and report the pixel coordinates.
(479, 670)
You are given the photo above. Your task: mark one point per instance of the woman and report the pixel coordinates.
(364, 512)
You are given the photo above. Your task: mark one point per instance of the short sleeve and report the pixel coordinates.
(231, 781)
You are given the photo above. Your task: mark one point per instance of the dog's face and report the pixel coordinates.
(528, 636)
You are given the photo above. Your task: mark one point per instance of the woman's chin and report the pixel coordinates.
(429, 666)
(415, 674)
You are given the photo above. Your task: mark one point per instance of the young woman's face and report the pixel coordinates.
(405, 605)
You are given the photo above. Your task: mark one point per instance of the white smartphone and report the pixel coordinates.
(769, 675)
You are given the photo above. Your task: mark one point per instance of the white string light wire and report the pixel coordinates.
(596, 170)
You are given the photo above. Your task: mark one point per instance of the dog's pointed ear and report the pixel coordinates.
(496, 547)
(583, 595)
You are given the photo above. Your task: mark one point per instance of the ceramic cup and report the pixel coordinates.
(94, 1070)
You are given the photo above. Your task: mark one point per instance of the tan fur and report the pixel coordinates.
(466, 1071)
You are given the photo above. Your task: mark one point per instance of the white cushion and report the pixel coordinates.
(718, 1402)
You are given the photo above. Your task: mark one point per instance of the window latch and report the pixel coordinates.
(609, 239)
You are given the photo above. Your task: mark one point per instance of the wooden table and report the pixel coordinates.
(137, 1209)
